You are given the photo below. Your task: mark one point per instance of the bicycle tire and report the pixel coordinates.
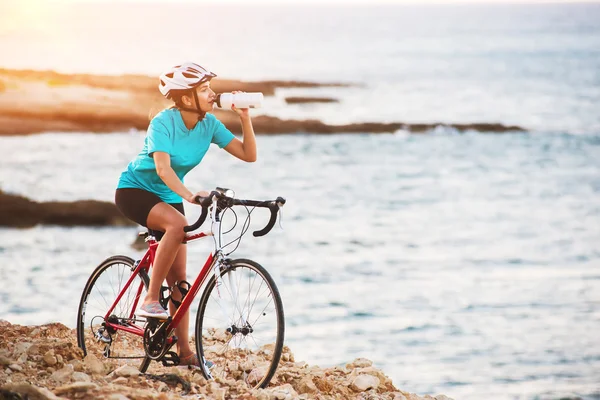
(259, 364)
(97, 297)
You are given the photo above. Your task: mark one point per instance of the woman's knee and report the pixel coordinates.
(176, 225)
(167, 219)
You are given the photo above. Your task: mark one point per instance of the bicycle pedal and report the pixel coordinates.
(170, 359)
(157, 319)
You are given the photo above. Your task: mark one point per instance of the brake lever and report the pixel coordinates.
(280, 217)
(280, 201)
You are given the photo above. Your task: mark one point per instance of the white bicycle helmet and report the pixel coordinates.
(183, 77)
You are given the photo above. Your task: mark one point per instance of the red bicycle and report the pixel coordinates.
(239, 326)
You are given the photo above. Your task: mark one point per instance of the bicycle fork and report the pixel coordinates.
(230, 287)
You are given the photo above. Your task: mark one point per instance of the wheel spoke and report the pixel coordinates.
(102, 290)
(254, 290)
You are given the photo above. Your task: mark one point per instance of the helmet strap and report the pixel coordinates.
(200, 113)
(196, 110)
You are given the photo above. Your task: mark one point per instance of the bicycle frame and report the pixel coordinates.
(148, 260)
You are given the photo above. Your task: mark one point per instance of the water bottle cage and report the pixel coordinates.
(183, 287)
(164, 296)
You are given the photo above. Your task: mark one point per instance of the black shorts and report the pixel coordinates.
(136, 204)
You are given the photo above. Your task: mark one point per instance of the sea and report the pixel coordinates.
(460, 262)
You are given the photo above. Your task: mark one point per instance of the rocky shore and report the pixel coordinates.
(20, 212)
(44, 363)
(46, 101)
(301, 100)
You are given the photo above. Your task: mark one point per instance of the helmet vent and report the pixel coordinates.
(182, 77)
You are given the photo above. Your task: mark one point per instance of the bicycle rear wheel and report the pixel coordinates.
(240, 324)
(101, 291)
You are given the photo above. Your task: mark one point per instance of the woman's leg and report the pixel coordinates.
(164, 217)
(178, 274)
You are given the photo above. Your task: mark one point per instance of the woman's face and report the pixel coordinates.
(206, 97)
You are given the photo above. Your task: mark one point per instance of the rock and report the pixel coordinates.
(218, 394)
(268, 349)
(49, 358)
(5, 361)
(117, 396)
(15, 367)
(324, 385)
(162, 387)
(300, 100)
(34, 392)
(284, 392)
(126, 371)
(22, 358)
(93, 365)
(34, 349)
(256, 375)
(359, 363)
(306, 385)
(18, 211)
(22, 347)
(199, 379)
(77, 379)
(363, 383)
(63, 374)
(77, 365)
(81, 377)
(371, 371)
(442, 397)
(76, 387)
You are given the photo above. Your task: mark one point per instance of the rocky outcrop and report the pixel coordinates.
(44, 362)
(143, 83)
(18, 211)
(302, 100)
(272, 125)
(45, 101)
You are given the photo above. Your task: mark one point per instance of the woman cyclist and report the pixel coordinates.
(151, 190)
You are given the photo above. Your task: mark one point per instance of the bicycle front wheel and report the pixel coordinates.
(100, 293)
(240, 324)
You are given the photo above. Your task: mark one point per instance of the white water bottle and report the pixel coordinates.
(239, 100)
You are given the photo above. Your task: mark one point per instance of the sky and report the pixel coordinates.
(17, 12)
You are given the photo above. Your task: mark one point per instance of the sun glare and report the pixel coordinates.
(29, 14)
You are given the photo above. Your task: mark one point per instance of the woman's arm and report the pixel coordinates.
(166, 173)
(244, 149)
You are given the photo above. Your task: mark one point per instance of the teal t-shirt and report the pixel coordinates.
(187, 147)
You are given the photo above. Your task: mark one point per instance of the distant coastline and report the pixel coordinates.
(46, 101)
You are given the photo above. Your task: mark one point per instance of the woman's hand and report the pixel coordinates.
(242, 112)
(192, 198)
